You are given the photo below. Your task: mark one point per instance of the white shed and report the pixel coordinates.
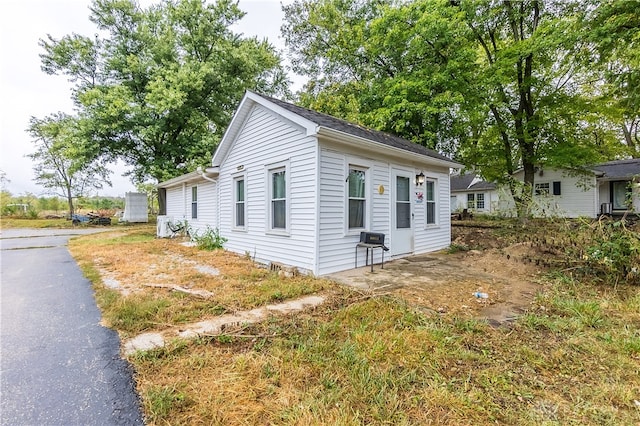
(135, 208)
(294, 186)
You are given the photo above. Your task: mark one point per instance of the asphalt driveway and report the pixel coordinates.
(58, 365)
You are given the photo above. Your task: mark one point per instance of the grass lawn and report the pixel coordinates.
(6, 223)
(572, 358)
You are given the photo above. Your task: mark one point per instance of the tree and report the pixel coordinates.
(158, 90)
(60, 163)
(4, 180)
(496, 83)
(614, 28)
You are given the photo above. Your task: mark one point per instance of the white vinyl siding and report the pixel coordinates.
(180, 202)
(578, 195)
(264, 141)
(337, 247)
(175, 203)
(207, 206)
(431, 237)
(336, 242)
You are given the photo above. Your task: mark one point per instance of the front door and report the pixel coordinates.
(401, 213)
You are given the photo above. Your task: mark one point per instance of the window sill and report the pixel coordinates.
(239, 230)
(277, 233)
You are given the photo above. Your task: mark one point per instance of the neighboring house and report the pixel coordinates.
(618, 186)
(295, 186)
(470, 192)
(608, 188)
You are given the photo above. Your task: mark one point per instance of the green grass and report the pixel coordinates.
(7, 223)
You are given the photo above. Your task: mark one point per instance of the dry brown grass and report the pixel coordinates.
(145, 271)
(573, 358)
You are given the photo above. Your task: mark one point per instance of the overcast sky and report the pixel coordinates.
(26, 91)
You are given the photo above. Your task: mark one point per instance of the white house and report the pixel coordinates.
(294, 186)
(606, 188)
(618, 184)
(470, 192)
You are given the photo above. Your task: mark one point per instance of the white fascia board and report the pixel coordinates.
(359, 142)
(186, 178)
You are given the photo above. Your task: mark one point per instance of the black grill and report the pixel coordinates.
(372, 238)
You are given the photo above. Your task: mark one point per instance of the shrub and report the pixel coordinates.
(614, 253)
(210, 239)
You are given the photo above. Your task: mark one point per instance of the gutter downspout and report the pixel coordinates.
(203, 174)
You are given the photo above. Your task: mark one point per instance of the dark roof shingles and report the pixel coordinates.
(619, 169)
(463, 182)
(338, 124)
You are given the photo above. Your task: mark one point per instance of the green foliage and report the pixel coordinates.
(455, 248)
(614, 29)
(614, 253)
(158, 86)
(499, 85)
(209, 239)
(134, 313)
(160, 400)
(60, 162)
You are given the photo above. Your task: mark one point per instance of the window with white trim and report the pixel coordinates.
(479, 201)
(239, 202)
(430, 201)
(541, 188)
(471, 201)
(357, 199)
(278, 199)
(194, 202)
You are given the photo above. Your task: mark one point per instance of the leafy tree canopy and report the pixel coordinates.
(60, 163)
(157, 86)
(614, 28)
(501, 85)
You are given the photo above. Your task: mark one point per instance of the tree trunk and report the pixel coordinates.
(70, 201)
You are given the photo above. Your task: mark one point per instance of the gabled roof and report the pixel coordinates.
(340, 125)
(618, 169)
(319, 124)
(469, 182)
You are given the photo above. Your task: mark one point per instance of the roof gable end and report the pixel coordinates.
(313, 123)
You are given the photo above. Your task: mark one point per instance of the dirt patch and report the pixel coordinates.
(447, 283)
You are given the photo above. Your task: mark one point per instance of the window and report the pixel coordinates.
(403, 202)
(556, 188)
(357, 198)
(194, 202)
(479, 201)
(471, 201)
(278, 197)
(239, 197)
(430, 201)
(541, 188)
(620, 195)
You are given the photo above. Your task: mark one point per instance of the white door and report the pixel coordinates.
(401, 212)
